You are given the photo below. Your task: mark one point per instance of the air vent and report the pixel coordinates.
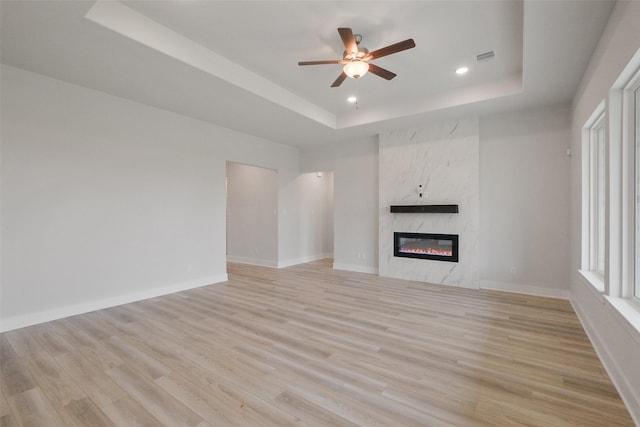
(487, 56)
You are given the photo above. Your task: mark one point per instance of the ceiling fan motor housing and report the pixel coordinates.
(349, 56)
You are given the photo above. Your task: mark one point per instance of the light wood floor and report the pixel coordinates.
(311, 346)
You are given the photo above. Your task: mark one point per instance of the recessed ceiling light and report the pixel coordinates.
(352, 99)
(462, 70)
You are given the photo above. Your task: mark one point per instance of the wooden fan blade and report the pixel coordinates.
(379, 71)
(394, 48)
(328, 61)
(339, 80)
(349, 41)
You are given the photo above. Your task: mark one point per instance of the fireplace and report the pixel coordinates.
(439, 247)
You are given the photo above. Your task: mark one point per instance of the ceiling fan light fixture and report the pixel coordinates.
(355, 59)
(356, 69)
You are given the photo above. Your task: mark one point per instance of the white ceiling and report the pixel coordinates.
(234, 63)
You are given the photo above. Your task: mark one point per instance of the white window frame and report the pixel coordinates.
(623, 277)
(631, 187)
(636, 290)
(623, 260)
(594, 221)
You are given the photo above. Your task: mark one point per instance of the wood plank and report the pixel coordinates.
(128, 412)
(83, 412)
(91, 378)
(23, 343)
(59, 387)
(154, 399)
(309, 345)
(7, 420)
(4, 406)
(15, 378)
(32, 408)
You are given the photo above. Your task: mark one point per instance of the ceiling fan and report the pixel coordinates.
(357, 59)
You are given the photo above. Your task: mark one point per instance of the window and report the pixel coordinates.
(611, 196)
(594, 197)
(630, 184)
(597, 196)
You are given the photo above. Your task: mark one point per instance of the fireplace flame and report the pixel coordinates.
(427, 251)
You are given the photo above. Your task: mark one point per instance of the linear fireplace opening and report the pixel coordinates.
(438, 247)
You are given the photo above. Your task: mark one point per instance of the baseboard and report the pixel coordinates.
(279, 264)
(21, 321)
(356, 268)
(252, 261)
(616, 374)
(302, 260)
(524, 289)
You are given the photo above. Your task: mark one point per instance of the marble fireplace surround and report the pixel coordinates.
(445, 159)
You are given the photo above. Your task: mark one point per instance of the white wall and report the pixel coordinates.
(615, 340)
(252, 215)
(524, 201)
(259, 201)
(106, 201)
(307, 220)
(355, 174)
(328, 214)
(312, 236)
(285, 160)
